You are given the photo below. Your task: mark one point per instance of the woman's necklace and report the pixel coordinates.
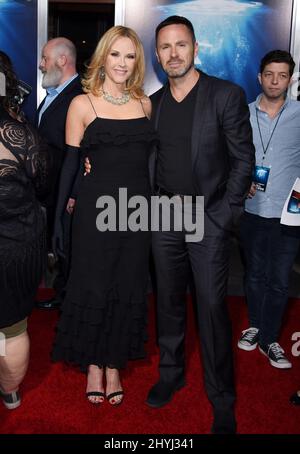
(117, 101)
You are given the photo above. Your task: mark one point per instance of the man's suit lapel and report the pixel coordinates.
(54, 104)
(202, 98)
(158, 110)
(37, 114)
(41, 105)
(59, 99)
(153, 154)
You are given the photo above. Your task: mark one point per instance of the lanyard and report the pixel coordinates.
(261, 139)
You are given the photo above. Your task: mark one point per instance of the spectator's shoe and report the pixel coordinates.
(248, 340)
(11, 400)
(295, 398)
(276, 355)
(161, 393)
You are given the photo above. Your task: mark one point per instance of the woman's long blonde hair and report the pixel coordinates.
(92, 83)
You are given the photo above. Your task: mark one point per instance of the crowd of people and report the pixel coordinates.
(102, 135)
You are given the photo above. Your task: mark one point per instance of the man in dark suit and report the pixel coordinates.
(205, 149)
(60, 79)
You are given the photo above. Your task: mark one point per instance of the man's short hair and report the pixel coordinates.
(176, 20)
(278, 56)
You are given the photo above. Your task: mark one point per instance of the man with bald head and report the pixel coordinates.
(62, 83)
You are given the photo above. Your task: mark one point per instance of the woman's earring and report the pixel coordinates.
(102, 73)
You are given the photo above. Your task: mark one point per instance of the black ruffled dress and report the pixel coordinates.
(104, 313)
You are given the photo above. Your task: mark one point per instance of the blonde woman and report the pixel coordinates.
(103, 318)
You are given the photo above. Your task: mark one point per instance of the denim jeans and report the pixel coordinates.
(269, 251)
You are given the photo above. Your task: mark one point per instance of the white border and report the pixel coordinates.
(42, 37)
(295, 42)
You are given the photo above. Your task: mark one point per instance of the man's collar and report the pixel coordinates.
(259, 97)
(51, 92)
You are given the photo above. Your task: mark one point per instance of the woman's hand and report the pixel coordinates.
(70, 205)
(87, 166)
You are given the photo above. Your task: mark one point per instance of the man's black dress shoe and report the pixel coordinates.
(161, 393)
(295, 398)
(224, 422)
(53, 303)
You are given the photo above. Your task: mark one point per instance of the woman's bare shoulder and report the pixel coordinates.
(146, 100)
(80, 101)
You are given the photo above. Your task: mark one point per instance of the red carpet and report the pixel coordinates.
(54, 401)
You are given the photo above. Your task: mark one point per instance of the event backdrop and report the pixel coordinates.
(233, 35)
(18, 38)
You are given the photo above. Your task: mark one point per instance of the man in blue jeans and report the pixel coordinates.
(270, 247)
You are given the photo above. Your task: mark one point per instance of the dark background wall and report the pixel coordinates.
(83, 23)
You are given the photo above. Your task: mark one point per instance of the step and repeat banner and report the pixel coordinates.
(233, 35)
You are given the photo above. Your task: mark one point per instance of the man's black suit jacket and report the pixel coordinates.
(223, 153)
(52, 130)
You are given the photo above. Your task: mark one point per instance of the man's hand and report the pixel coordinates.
(70, 205)
(87, 166)
(252, 191)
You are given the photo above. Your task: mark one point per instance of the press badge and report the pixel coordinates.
(260, 177)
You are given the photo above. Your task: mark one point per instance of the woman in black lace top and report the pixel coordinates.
(22, 233)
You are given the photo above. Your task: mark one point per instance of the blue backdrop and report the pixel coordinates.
(18, 38)
(233, 35)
